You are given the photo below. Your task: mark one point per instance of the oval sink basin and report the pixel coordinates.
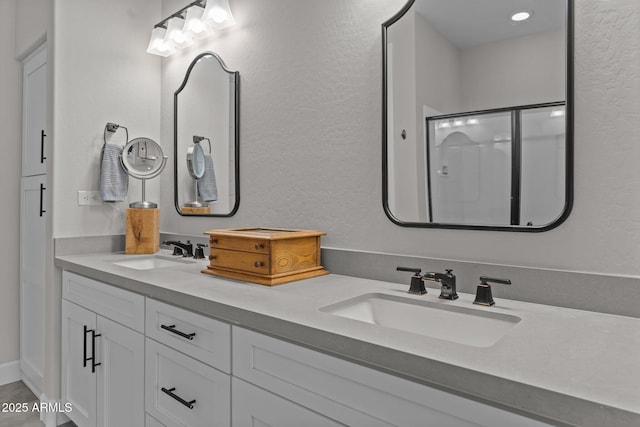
(462, 325)
(151, 262)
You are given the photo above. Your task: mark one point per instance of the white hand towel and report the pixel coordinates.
(207, 184)
(114, 180)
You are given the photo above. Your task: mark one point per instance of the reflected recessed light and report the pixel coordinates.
(473, 121)
(444, 125)
(520, 16)
(557, 113)
(458, 123)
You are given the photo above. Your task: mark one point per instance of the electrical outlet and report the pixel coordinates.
(89, 198)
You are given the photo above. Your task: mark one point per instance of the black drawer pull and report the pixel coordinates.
(172, 328)
(178, 398)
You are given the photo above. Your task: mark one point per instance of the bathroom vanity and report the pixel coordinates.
(197, 348)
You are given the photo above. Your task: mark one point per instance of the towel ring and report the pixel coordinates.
(197, 139)
(113, 127)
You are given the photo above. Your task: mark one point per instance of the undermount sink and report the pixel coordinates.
(151, 262)
(442, 320)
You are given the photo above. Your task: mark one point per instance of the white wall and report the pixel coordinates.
(311, 136)
(518, 71)
(101, 74)
(32, 18)
(10, 123)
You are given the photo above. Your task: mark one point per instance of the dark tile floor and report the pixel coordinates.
(18, 393)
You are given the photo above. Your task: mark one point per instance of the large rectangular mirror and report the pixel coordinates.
(206, 139)
(478, 115)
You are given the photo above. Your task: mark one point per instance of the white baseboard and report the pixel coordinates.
(9, 372)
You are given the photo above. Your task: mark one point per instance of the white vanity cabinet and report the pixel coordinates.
(342, 392)
(102, 353)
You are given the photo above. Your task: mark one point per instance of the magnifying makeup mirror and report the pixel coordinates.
(195, 166)
(143, 159)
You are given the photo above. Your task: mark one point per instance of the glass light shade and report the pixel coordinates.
(158, 45)
(176, 35)
(194, 25)
(218, 15)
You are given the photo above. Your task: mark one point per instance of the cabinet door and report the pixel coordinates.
(120, 393)
(32, 279)
(254, 407)
(78, 382)
(34, 114)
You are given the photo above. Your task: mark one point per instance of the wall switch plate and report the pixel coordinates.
(89, 198)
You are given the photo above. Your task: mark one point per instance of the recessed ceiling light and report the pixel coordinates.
(520, 16)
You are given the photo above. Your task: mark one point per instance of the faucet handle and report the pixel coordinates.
(199, 254)
(483, 292)
(413, 270)
(417, 283)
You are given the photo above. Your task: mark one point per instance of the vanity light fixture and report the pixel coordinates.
(218, 15)
(176, 34)
(473, 121)
(444, 125)
(158, 44)
(521, 16)
(458, 123)
(196, 20)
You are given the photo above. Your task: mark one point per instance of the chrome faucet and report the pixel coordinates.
(447, 283)
(187, 248)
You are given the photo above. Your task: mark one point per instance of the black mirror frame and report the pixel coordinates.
(236, 77)
(569, 138)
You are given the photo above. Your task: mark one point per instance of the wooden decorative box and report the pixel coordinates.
(268, 256)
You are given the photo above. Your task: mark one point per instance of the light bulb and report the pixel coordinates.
(217, 14)
(176, 35)
(194, 25)
(158, 45)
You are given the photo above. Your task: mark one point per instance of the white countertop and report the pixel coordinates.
(568, 366)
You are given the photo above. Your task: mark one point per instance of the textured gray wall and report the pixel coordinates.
(311, 135)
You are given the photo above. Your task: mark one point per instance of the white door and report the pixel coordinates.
(120, 374)
(32, 279)
(34, 114)
(78, 349)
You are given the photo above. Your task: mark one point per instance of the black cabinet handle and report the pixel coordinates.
(42, 135)
(178, 398)
(42, 188)
(84, 346)
(93, 351)
(172, 328)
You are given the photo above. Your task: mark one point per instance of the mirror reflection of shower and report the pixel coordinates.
(196, 168)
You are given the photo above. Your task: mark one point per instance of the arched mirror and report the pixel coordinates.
(478, 114)
(143, 159)
(206, 139)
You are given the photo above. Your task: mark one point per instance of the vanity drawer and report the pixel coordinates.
(200, 337)
(124, 307)
(180, 391)
(244, 261)
(239, 244)
(353, 394)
